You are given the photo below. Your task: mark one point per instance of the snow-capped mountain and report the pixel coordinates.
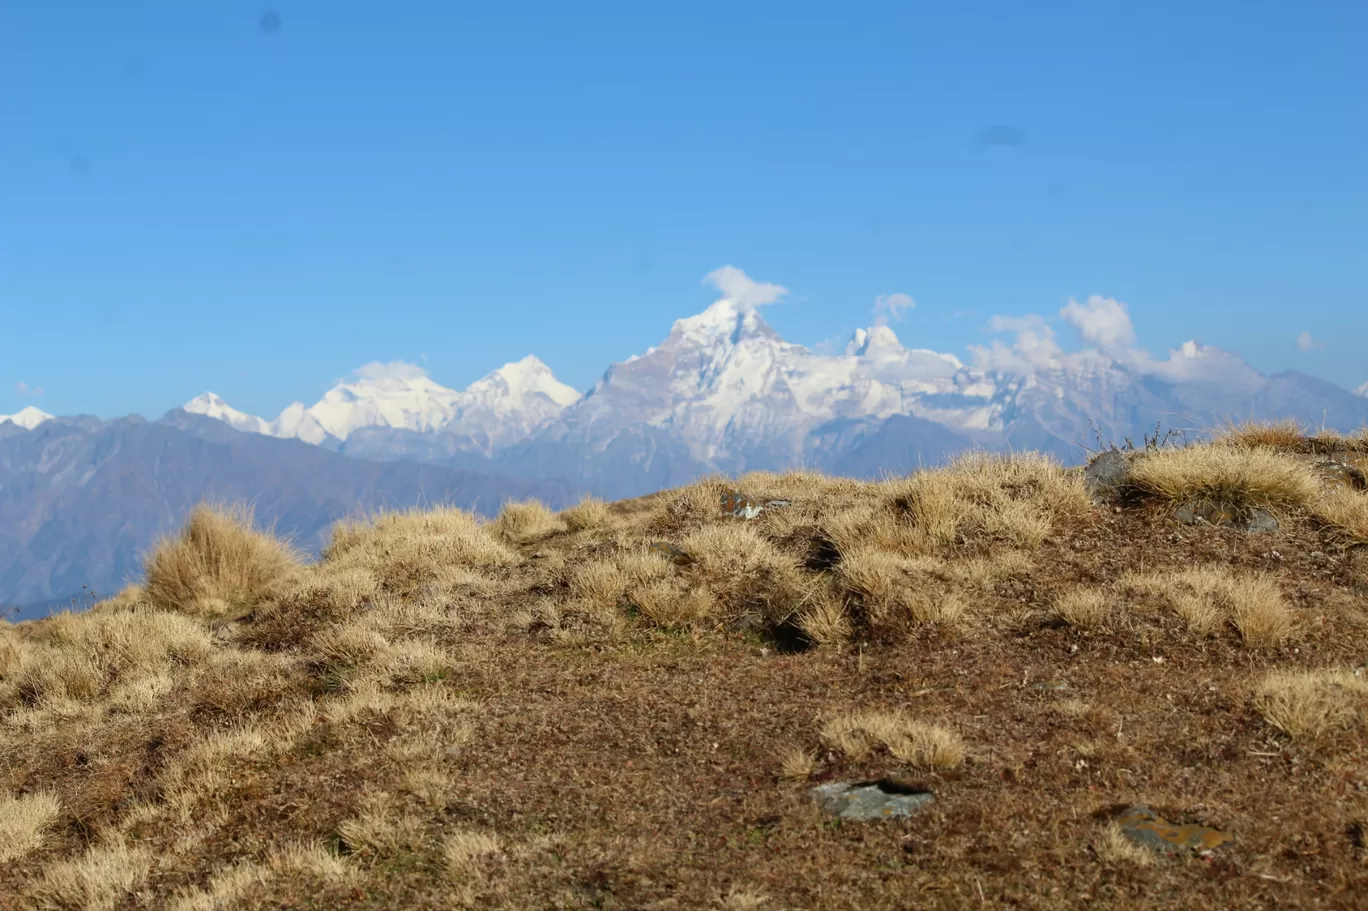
(1362, 390)
(27, 418)
(211, 406)
(503, 407)
(724, 392)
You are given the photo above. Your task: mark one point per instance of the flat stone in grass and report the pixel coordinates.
(670, 552)
(1144, 827)
(1251, 520)
(866, 800)
(735, 503)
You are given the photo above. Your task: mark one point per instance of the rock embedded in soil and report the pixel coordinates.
(1144, 827)
(1252, 520)
(1107, 474)
(670, 552)
(737, 504)
(868, 800)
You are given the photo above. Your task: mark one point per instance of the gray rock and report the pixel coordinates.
(1106, 474)
(1144, 827)
(870, 799)
(1260, 521)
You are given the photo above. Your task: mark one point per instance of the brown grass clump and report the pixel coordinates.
(980, 500)
(1310, 704)
(1084, 608)
(1113, 847)
(590, 512)
(525, 520)
(917, 743)
(1345, 511)
(1233, 476)
(463, 851)
(797, 764)
(218, 564)
(24, 820)
(382, 827)
(1286, 435)
(227, 888)
(95, 881)
(1207, 596)
(312, 860)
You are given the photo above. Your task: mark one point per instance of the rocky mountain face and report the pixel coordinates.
(723, 392)
(83, 499)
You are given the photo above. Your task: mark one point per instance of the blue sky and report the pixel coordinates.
(202, 196)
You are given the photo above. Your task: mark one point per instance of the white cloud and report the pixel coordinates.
(1033, 349)
(25, 389)
(401, 370)
(743, 291)
(891, 306)
(1305, 342)
(1102, 321)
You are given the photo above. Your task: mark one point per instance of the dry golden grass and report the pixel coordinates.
(522, 521)
(1113, 847)
(312, 860)
(463, 851)
(227, 889)
(1232, 476)
(1207, 596)
(797, 763)
(1311, 704)
(824, 620)
(1085, 608)
(1285, 435)
(588, 513)
(23, 822)
(917, 743)
(382, 826)
(739, 899)
(218, 564)
(96, 880)
(1345, 511)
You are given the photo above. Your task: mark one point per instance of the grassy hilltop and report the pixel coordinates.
(628, 705)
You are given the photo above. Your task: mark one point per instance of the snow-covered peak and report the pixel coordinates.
(385, 395)
(723, 322)
(28, 418)
(873, 342)
(1362, 390)
(523, 379)
(212, 406)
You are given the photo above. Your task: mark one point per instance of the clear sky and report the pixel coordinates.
(257, 199)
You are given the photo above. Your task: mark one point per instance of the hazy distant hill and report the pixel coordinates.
(81, 499)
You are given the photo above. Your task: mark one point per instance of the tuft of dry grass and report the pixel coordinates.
(796, 763)
(1085, 608)
(588, 513)
(218, 564)
(1206, 596)
(227, 889)
(1113, 847)
(824, 621)
(1345, 511)
(311, 859)
(23, 822)
(522, 521)
(96, 880)
(382, 826)
(1233, 476)
(918, 743)
(738, 899)
(463, 851)
(1286, 435)
(1310, 704)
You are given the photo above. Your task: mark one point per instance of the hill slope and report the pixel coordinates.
(634, 705)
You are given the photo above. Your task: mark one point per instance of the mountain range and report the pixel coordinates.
(723, 392)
